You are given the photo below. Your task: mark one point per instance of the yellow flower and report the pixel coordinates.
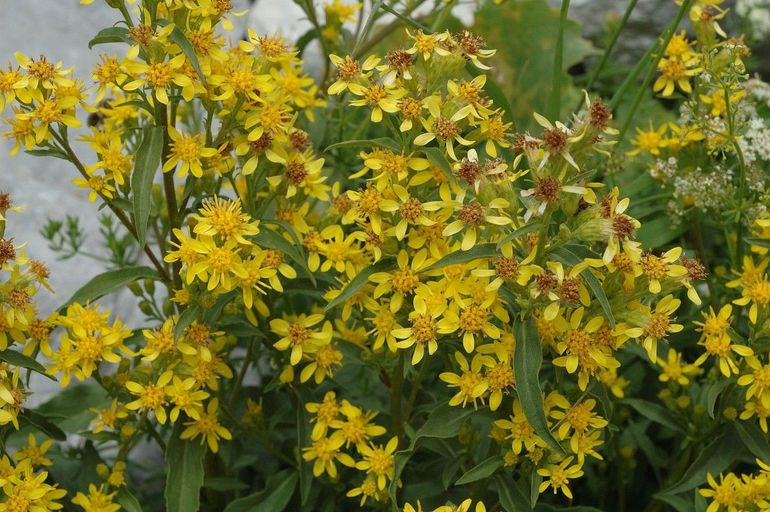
(558, 476)
(350, 72)
(208, 427)
(325, 451)
(758, 381)
(447, 130)
(470, 383)
(357, 427)
(97, 500)
(151, 397)
(675, 72)
(225, 218)
(33, 453)
(651, 140)
(298, 336)
(219, 265)
(324, 414)
(379, 461)
(379, 97)
(185, 397)
(187, 149)
(159, 75)
(724, 494)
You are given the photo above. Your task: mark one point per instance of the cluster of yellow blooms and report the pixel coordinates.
(452, 234)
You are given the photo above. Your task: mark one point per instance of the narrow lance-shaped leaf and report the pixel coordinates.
(184, 472)
(481, 470)
(109, 35)
(713, 459)
(18, 359)
(108, 282)
(474, 253)
(527, 360)
(360, 280)
(147, 162)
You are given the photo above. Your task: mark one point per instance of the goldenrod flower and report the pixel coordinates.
(225, 218)
(158, 75)
(557, 476)
(208, 427)
(97, 500)
(379, 461)
(357, 428)
(185, 397)
(470, 382)
(324, 414)
(187, 150)
(325, 451)
(151, 397)
(298, 336)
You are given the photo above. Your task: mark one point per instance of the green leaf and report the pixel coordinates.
(529, 228)
(19, 359)
(272, 240)
(43, 424)
(545, 507)
(760, 242)
(273, 498)
(383, 142)
(109, 35)
(564, 255)
(654, 412)
(713, 459)
(678, 503)
(128, 501)
(146, 163)
(224, 484)
(659, 231)
(754, 439)
(55, 153)
(368, 25)
(481, 470)
(108, 282)
(525, 34)
(187, 317)
(355, 284)
(443, 422)
(712, 394)
(527, 360)
(178, 37)
(511, 496)
(437, 158)
(474, 253)
(184, 472)
(69, 409)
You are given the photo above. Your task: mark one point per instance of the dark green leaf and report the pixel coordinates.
(109, 35)
(69, 409)
(274, 498)
(659, 231)
(108, 282)
(654, 412)
(383, 142)
(511, 497)
(474, 253)
(481, 470)
(224, 484)
(566, 256)
(678, 503)
(55, 153)
(443, 422)
(184, 472)
(528, 228)
(128, 501)
(713, 459)
(712, 394)
(358, 282)
(755, 440)
(527, 360)
(545, 507)
(146, 163)
(187, 317)
(761, 242)
(437, 158)
(18, 359)
(272, 240)
(43, 424)
(183, 43)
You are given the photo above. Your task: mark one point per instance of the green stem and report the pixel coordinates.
(611, 46)
(653, 69)
(415, 389)
(396, 391)
(741, 179)
(122, 217)
(241, 374)
(554, 102)
(169, 188)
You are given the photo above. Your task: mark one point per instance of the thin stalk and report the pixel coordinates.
(611, 46)
(396, 390)
(241, 374)
(169, 189)
(554, 102)
(653, 69)
(65, 146)
(741, 178)
(365, 46)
